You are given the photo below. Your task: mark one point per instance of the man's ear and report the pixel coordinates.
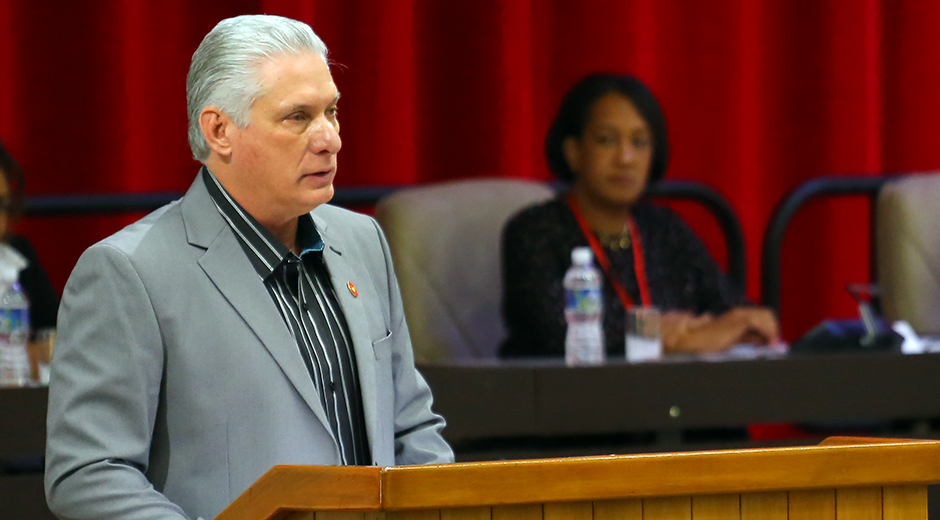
(571, 147)
(217, 127)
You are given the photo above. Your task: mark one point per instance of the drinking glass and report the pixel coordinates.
(644, 340)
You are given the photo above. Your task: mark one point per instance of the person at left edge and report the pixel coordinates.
(246, 325)
(43, 299)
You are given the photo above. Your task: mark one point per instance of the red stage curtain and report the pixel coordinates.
(759, 97)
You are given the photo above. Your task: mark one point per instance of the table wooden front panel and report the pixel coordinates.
(873, 503)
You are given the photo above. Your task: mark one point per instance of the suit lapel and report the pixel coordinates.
(344, 269)
(226, 264)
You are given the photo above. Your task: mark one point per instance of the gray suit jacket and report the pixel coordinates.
(176, 383)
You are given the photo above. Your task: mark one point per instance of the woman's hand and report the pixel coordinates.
(686, 332)
(677, 325)
(761, 324)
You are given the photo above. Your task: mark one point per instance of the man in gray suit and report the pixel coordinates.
(246, 325)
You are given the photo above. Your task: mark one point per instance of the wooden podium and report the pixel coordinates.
(840, 479)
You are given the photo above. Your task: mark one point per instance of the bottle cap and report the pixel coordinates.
(582, 255)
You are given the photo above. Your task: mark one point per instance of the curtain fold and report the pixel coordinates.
(759, 97)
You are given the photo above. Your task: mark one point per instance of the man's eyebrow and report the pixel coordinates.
(297, 106)
(308, 107)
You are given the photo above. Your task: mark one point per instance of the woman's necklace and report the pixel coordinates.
(616, 242)
(636, 244)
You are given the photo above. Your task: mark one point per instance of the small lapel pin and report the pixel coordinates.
(352, 289)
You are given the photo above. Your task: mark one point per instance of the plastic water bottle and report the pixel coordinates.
(584, 310)
(14, 334)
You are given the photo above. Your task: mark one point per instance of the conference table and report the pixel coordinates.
(504, 409)
(507, 405)
(523, 399)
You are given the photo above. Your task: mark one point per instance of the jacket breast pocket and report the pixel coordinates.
(383, 347)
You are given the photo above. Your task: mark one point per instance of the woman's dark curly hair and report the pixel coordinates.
(11, 170)
(576, 110)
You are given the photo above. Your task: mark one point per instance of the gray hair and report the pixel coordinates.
(223, 72)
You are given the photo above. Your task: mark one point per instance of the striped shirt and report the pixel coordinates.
(300, 288)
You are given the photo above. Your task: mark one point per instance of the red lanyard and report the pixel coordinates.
(638, 263)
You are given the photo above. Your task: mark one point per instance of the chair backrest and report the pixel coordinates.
(445, 242)
(907, 243)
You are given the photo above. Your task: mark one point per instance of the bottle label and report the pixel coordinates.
(587, 301)
(14, 360)
(12, 319)
(14, 323)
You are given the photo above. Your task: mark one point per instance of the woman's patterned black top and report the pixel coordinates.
(536, 249)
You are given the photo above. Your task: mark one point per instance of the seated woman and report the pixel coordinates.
(43, 299)
(609, 142)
